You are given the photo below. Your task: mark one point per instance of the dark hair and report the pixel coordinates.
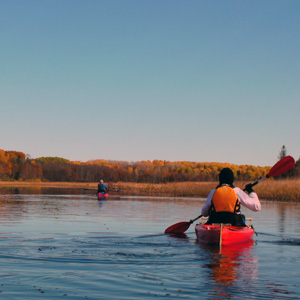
(226, 176)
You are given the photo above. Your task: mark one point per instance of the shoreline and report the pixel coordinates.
(273, 190)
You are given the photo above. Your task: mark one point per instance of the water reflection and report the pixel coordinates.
(229, 265)
(279, 217)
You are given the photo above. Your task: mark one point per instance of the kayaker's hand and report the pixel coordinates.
(248, 188)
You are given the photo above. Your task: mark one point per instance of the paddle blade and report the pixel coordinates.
(180, 227)
(282, 166)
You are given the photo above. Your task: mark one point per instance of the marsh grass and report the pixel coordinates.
(174, 189)
(280, 190)
(269, 189)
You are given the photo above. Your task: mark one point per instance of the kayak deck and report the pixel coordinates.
(224, 234)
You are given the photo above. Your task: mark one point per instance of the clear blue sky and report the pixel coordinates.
(206, 81)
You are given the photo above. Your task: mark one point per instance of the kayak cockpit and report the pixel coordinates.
(224, 234)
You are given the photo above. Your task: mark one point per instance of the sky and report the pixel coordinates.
(175, 80)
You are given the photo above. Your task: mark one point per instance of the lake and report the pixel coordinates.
(66, 244)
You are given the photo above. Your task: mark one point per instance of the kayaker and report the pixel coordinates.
(223, 202)
(102, 187)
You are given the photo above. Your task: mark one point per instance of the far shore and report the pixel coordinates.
(279, 190)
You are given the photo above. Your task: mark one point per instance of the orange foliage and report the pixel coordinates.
(15, 166)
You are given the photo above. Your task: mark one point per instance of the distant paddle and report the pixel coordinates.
(281, 167)
(114, 190)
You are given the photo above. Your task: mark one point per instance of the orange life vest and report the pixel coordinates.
(225, 199)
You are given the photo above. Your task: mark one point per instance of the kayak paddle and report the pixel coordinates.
(181, 227)
(281, 167)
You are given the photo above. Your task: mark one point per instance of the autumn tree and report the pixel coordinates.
(16, 166)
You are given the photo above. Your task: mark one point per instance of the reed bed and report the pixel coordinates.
(279, 190)
(173, 189)
(269, 189)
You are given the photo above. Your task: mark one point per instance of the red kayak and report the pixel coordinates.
(102, 196)
(223, 234)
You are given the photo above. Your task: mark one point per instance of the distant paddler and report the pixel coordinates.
(102, 192)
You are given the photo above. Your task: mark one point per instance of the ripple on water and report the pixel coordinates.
(49, 248)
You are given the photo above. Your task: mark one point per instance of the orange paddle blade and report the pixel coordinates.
(282, 166)
(180, 227)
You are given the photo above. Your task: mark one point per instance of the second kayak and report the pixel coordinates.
(102, 196)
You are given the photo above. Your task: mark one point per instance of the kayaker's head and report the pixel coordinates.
(226, 176)
(101, 181)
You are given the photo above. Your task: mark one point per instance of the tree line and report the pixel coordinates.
(16, 165)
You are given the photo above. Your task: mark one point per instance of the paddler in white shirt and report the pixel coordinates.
(223, 202)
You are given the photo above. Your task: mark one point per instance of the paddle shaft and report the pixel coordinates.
(192, 221)
(91, 189)
(258, 181)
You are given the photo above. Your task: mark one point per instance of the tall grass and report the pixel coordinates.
(178, 189)
(281, 190)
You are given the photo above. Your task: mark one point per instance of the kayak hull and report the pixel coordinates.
(102, 196)
(223, 234)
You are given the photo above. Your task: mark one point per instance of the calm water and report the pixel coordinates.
(74, 247)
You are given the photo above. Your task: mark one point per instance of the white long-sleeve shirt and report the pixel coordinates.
(250, 201)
